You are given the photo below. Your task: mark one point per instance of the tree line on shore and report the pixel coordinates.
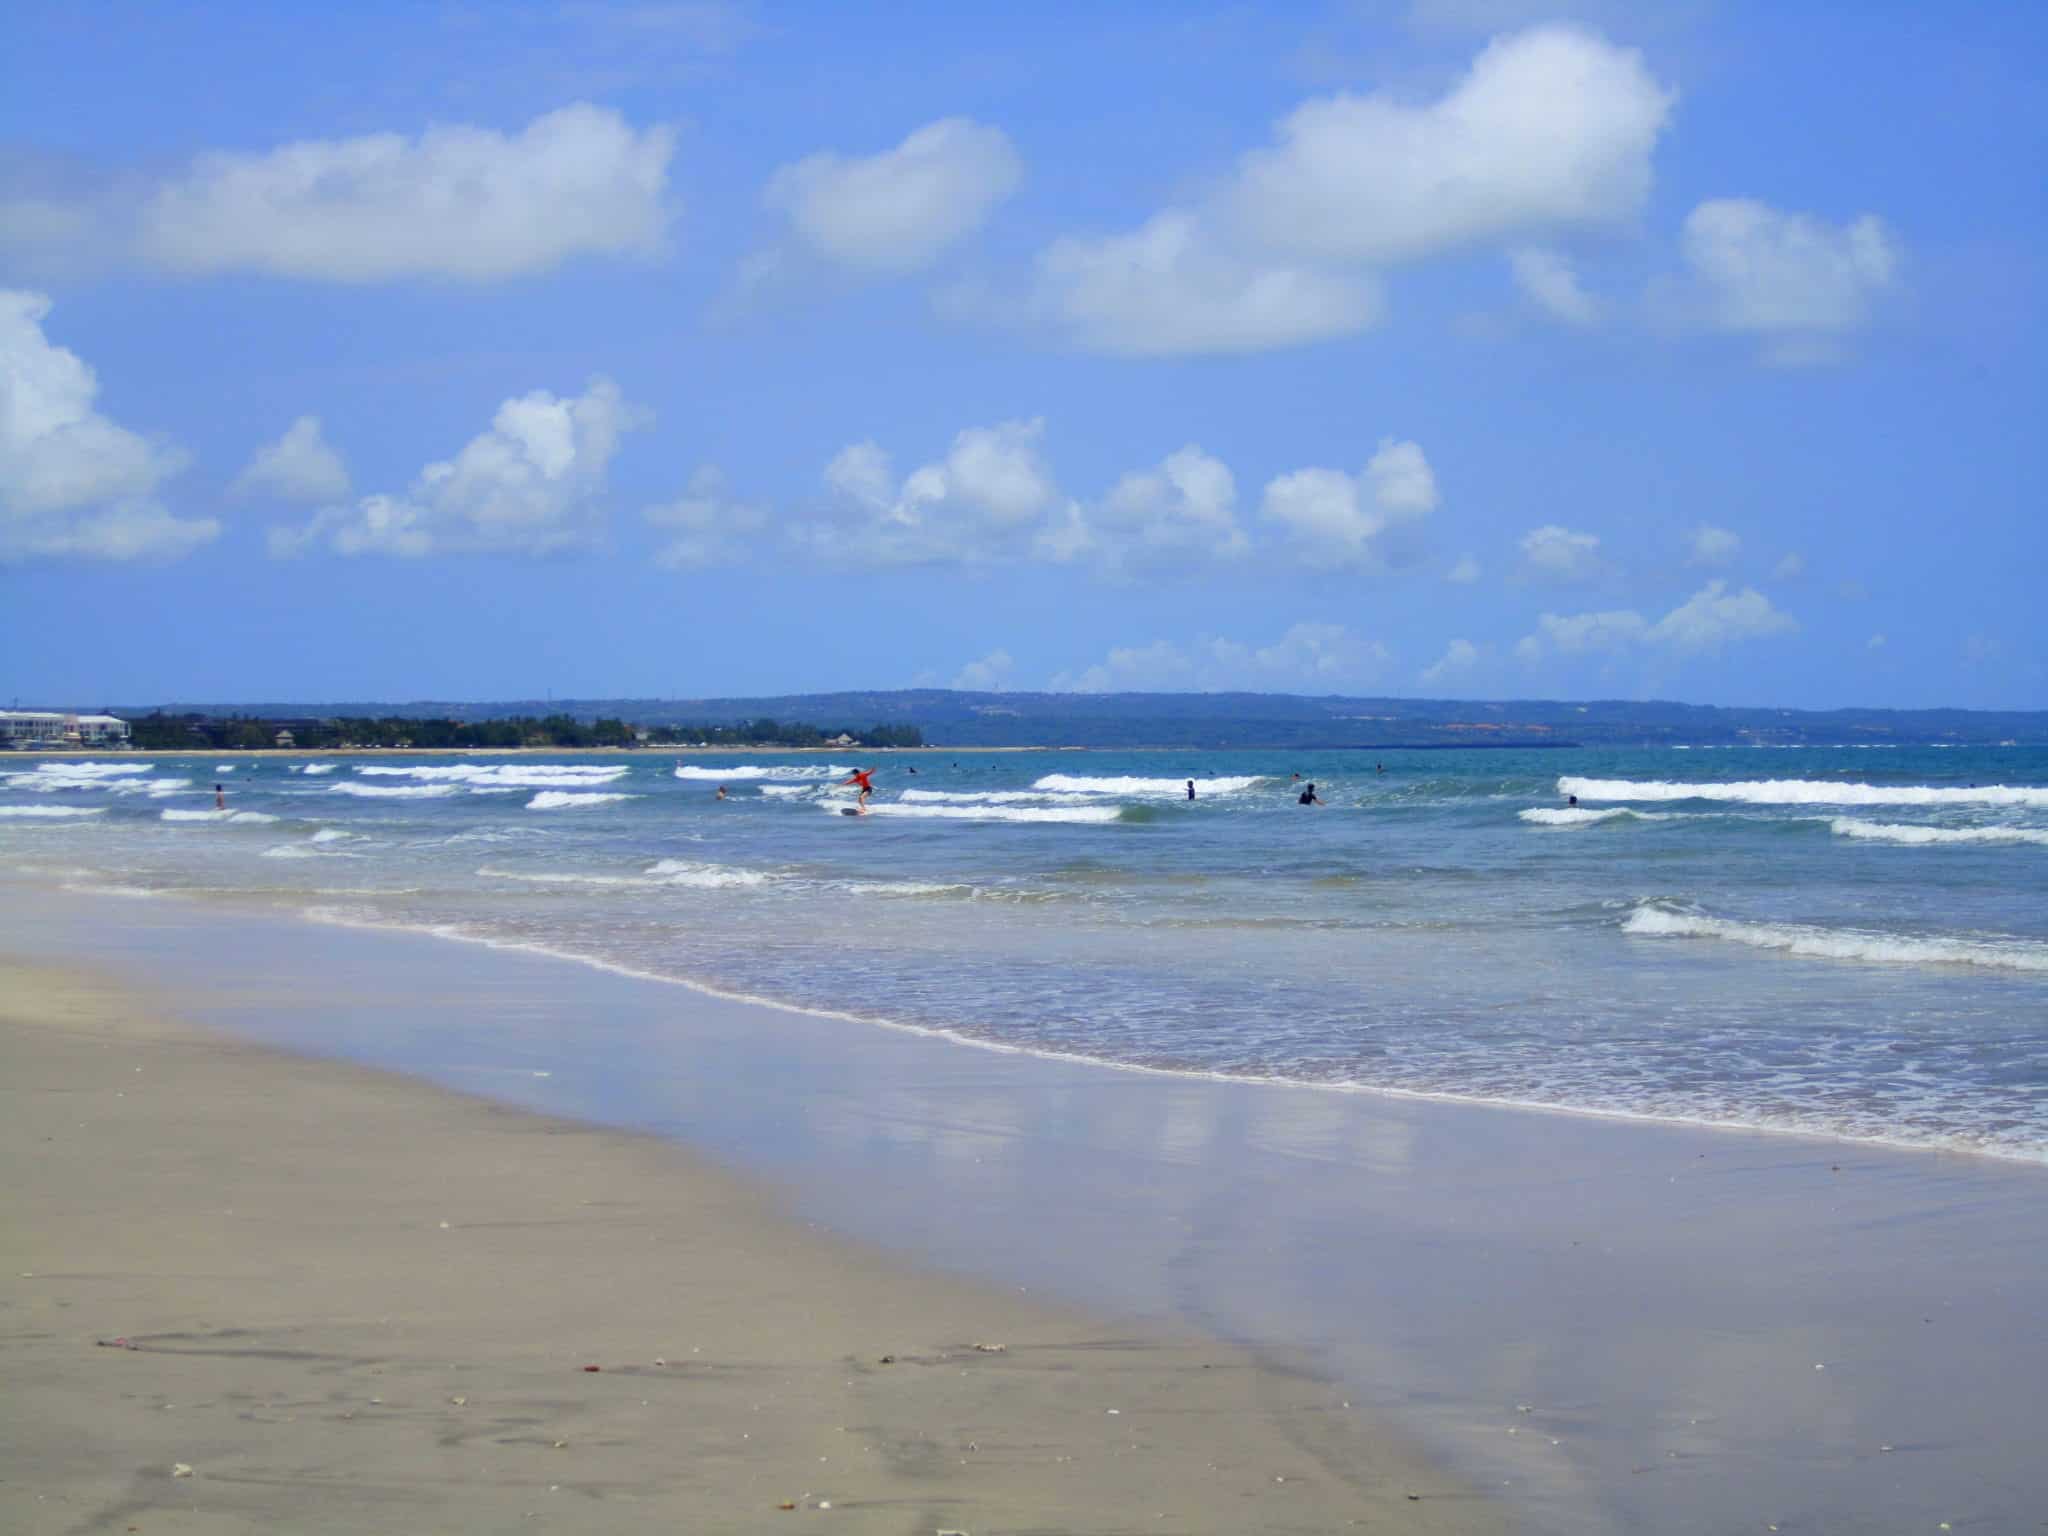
(159, 732)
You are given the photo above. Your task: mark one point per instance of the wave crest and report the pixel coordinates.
(1804, 792)
(1657, 920)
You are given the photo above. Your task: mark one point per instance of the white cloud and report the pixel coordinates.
(1334, 518)
(1464, 573)
(1459, 657)
(1185, 507)
(979, 501)
(1550, 129)
(897, 211)
(1796, 281)
(1171, 288)
(1308, 658)
(711, 526)
(530, 484)
(1556, 553)
(1548, 279)
(1713, 617)
(1791, 568)
(457, 201)
(73, 482)
(988, 675)
(297, 467)
(1576, 634)
(1712, 546)
(1705, 622)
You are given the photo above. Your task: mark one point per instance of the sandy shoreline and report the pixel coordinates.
(359, 1302)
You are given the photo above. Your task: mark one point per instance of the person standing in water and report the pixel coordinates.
(220, 798)
(1191, 789)
(1309, 797)
(865, 778)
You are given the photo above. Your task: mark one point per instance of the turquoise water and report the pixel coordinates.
(1844, 942)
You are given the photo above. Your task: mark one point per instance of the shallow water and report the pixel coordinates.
(1850, 942)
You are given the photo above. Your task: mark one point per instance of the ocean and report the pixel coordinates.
(1848, 943)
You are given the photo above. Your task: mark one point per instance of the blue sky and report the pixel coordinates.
(1455, 347)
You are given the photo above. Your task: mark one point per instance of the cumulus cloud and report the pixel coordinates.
(1714, 617)
(1334, 518)
(297, 467)
(457, 202)
(1183, 508)
(1308, 658)
(72, 481)
(1704, 623)
(1708, 545)
(1459, 657)
(1173, 288)
(1465, 572)
(988, 675)
(1556, 553)
(981, 500)
(1796, 281)
(1551, 129)
(897, 211)
(531, 484)
(711, 527)
(1549, 281)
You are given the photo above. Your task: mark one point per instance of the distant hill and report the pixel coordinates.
(952, 718)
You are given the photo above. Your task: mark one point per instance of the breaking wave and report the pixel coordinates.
(565, 800)
(510, 775)
(1655, 920)
(393, 791)
(1804, 792)
(1074, 784)
(1075, 814)
(50, 811)
(314, 768)
(996, 797)
(753, 771)
(244, 816)
(1929, 837)
(1579, 816)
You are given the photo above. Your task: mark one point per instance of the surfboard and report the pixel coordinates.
(847, 810)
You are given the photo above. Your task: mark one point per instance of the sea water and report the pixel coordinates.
(1849, 942)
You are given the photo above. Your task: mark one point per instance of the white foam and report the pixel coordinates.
(23, 812)
(330, 835)
(1075, 784)
(754, 771)
(1652, 920)
(564, 800)
(226, 767)
(515, 775)
(315, 768)
(1072, 814)
(793, 791)
(1804, 792)
(393, 791)
(998, 797)
(92, 770)
(1929, 837)
(1579, 816)
(709, 876)
(243, 816)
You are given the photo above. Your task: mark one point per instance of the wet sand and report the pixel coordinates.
(348, 1300)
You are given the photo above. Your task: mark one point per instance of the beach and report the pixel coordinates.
(246, 1290)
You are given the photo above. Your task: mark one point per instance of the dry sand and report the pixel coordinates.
(349, 1301)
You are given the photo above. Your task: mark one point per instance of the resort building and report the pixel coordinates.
(27, 729)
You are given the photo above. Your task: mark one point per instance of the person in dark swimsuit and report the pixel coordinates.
(1309, 797)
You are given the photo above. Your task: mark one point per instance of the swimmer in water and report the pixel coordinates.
(1309, 797)
(721, 791)
(865, 778)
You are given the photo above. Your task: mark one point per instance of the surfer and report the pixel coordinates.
(1309, 797)
(865, 778)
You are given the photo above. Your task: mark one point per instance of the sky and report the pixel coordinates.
(1446, 348)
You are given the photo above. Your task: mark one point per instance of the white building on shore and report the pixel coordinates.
(25, 730)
